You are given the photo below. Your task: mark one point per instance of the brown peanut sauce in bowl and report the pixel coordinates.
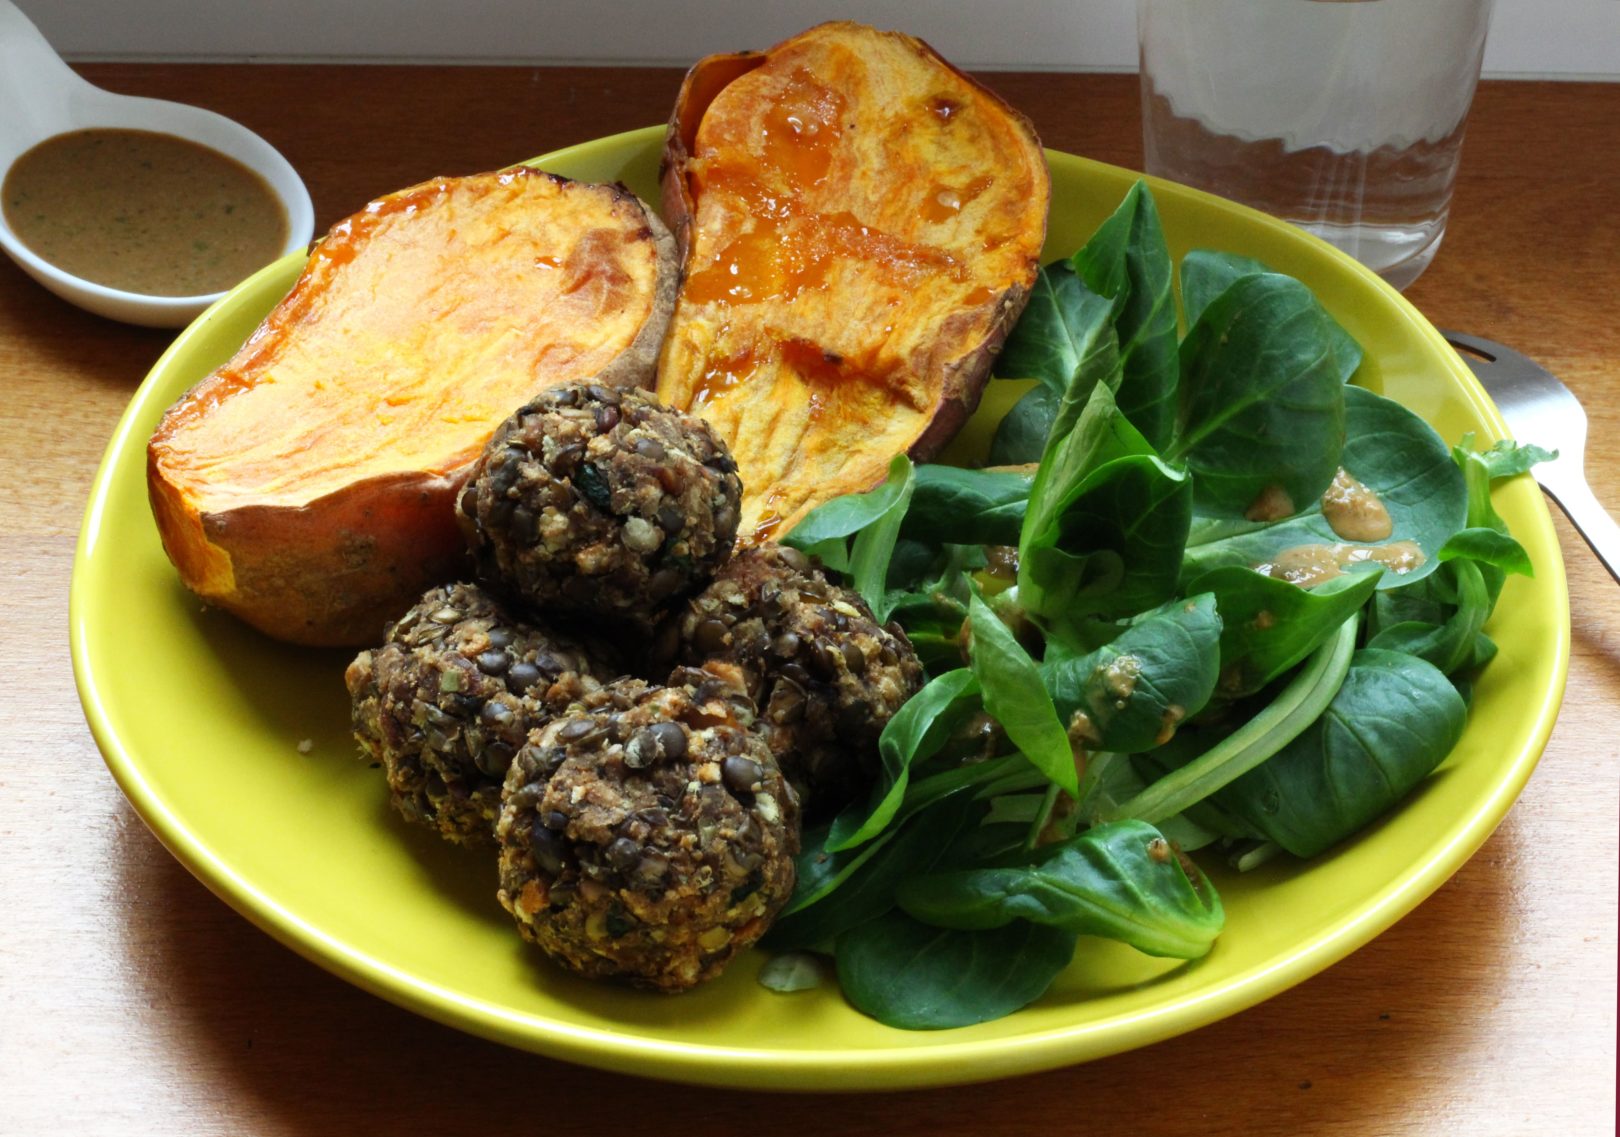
(143, 212)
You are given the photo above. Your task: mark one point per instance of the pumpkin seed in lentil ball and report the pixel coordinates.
(449, 698)
(628, 854)
(599, 502)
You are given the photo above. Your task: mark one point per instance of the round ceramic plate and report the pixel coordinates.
(236, 751)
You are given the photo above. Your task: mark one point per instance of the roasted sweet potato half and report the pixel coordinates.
(860, 225)
(308, 485)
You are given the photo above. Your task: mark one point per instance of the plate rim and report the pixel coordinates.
(941, 1063)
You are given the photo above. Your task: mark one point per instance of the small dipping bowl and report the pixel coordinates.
(43, 97)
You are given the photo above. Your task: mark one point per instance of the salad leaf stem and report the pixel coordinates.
(1017, 781)
(1299, 705)
(1255, 855)
(1042, 816)
(1000, 775)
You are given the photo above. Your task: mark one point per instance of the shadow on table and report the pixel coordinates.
(112, 356)
(274, 1045)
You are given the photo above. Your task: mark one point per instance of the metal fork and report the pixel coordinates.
(1541, 410)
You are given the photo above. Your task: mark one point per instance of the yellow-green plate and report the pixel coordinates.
(206, 725)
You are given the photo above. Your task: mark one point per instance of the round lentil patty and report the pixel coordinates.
(647, 834)
(600, 502)
(452, 695)
(824, 674)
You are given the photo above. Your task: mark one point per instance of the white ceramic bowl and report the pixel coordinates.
(43, 97)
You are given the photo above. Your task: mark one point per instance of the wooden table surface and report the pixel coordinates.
(134, 1002)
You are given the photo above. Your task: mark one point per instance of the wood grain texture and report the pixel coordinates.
(133, 1002)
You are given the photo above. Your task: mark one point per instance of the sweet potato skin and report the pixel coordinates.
(815, 398)
(334, 572)
(308, 485)
(706, 79)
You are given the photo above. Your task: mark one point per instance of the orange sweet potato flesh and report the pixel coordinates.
(860, 224)
(308, 484)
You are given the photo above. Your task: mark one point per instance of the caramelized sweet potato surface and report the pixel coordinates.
(860, 224)
(307, 484)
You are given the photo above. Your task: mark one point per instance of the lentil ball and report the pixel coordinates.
(647, 835)
(824, 674)
(600, 502)
(451, 696)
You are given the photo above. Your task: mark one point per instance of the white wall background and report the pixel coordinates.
(1561, 38)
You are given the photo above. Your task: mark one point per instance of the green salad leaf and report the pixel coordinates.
(1015, 696)
(951, 505)
(1136, 690)
(1205, 274)
(1261, 398)
(1388, 449)
(1021, 436)
(1106, 523)
(1064, 337)
(873, 519)
(1120, 880)
(864, 886)
(915, 976)
(1127, 261)
(1269, 625)
(917, 730)
(1393, 720)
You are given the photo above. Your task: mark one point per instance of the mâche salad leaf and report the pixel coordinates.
(1205, 274)
(957, 506)
(1133, 692)
(1010, 685)
(1214, 596)
(1105, 315)
(1392, 452)
(918, 976)
(1107, 520)
(873, 519)
(1393, 720)
(1127, 261)
(1261, 399)
(1121, 880)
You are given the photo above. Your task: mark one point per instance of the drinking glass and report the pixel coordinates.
(1345, 117)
